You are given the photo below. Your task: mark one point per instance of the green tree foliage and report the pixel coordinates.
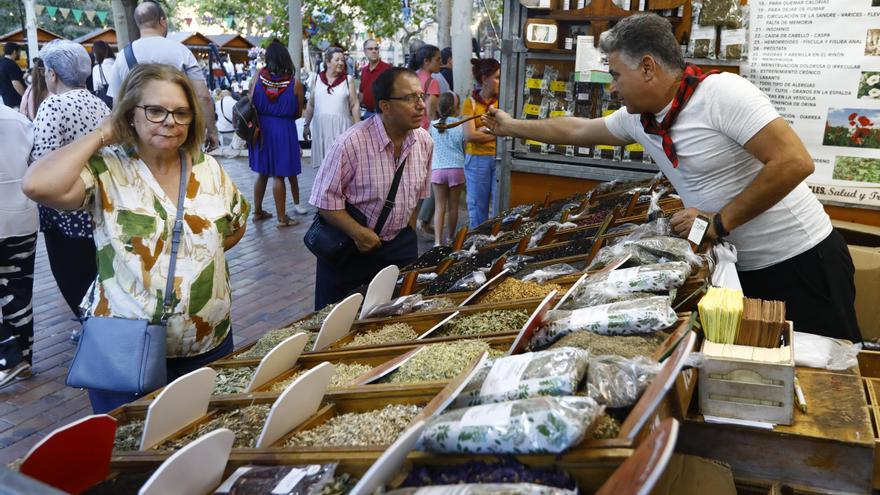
(67, 28)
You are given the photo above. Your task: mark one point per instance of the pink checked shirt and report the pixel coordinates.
(359, 168)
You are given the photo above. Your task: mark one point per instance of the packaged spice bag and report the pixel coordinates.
(484, 489)
(616, 381)
(555, 372)
(645, 315)
(530, 426)
(721, 13)
(281, 480)
(660, 277)
(702, 38)
(732, 42)
(647, 251)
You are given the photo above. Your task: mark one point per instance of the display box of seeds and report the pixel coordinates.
(742, 384)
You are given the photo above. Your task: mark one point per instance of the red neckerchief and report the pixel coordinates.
(479, 99)
(273, 84)
(336, 82)
(693, 76)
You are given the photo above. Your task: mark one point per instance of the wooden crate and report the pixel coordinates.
(733, 388)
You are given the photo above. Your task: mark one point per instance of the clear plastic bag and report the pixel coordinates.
(396, 307)
(470, 281)
(550, 272)
(283, 480)
(480, 241)
(554, 372)
(656, 227)
(731, 41)
(596, 296)
(816, 351)
(484, 489)
(517, 262)
(432, 305)
(530, 426)
(660, 277)
(462, 254)
(721, 13)
(424, 278)
(541, 231)
(647, 315)
(702, 38)
(617, 381)
(647, 251)
(550, 74)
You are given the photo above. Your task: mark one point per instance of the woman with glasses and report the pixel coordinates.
(68, 114)
(127, 174)
(333, 105)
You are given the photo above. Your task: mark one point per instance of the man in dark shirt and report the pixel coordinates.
(11, 76)
(446, 65)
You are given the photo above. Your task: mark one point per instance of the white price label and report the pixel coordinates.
(488, 415)
(505, 374)
(698, 230)
(622, 277)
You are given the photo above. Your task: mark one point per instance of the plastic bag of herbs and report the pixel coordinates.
(540, 425)
(554, 372)
(645, 315)
(648, 251)
(484, 489)
(616, 381)
(281, 480)
(628, 283)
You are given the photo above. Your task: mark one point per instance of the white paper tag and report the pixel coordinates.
(583, 316)
(587, 56)
(505, 374)
(703, 33)
(622, 277)
(698, 230)
(288, 482)
(488, 415)
(733, 37)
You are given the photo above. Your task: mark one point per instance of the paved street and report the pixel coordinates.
(272, 277)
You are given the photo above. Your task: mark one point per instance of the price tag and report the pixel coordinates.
(558, 113)
(488, 415)
(698, 230)
(558, 86)
(532, 109)
(533, 83)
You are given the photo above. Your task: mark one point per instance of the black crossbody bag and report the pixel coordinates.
(335, 247)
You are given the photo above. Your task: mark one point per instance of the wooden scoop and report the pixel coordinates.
(456, 124)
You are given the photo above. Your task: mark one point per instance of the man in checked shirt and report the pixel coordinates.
(359, 170)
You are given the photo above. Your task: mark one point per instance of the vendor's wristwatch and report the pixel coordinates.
(720, 231)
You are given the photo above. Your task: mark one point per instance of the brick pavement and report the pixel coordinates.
(272, 277)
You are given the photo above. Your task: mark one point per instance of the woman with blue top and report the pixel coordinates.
(447, 167)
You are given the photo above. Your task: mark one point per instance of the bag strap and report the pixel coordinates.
(129, 56)
(389, 201)
(175, 238)
(101, 71)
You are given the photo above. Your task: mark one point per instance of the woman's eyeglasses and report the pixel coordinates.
(157, 114)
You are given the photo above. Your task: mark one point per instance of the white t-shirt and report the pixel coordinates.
(155, 50)
(107, 67)
(223, 109)
(18, 214)
(723, 114)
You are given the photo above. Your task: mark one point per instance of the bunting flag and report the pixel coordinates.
(77, 14)
(64, 12)
(38, 9)
(51, 10)
(229, 21)
(188, 20)
(102, 15)
(90, 15)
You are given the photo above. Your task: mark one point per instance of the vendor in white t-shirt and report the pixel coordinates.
(732, 159)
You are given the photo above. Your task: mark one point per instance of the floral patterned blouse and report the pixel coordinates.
(134, 218)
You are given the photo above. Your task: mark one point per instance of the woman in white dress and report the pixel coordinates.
(333, 105)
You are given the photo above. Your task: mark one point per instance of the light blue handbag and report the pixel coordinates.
(127, 355)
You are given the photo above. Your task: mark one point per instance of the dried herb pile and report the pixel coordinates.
(628, 346)
(341, 484)
(247, 424)
(494, 321)
(512, 289)
(506, 470)
(606, 427)
(437, 304)
(440, 362)
(377, 427)
(394, 332)
(233, 380)
(128, 436)
(343, 375)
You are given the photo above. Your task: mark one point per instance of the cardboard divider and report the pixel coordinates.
(338, 322)
(179, 404)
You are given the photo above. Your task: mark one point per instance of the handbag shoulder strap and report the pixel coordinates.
(129, 56)
(175, 237)
(389, 201)
(101, 71)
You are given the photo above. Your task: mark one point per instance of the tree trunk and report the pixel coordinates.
(123, 20)
(294, 43)
(461, 46)
(31, 27)
(444, 21)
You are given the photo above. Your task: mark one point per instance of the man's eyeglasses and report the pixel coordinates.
(411, 98)
(157, 114)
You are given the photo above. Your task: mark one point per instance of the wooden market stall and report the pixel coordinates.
(236, 45)
(107, 35)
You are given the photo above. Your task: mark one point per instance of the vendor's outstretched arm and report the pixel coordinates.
(560, 130)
